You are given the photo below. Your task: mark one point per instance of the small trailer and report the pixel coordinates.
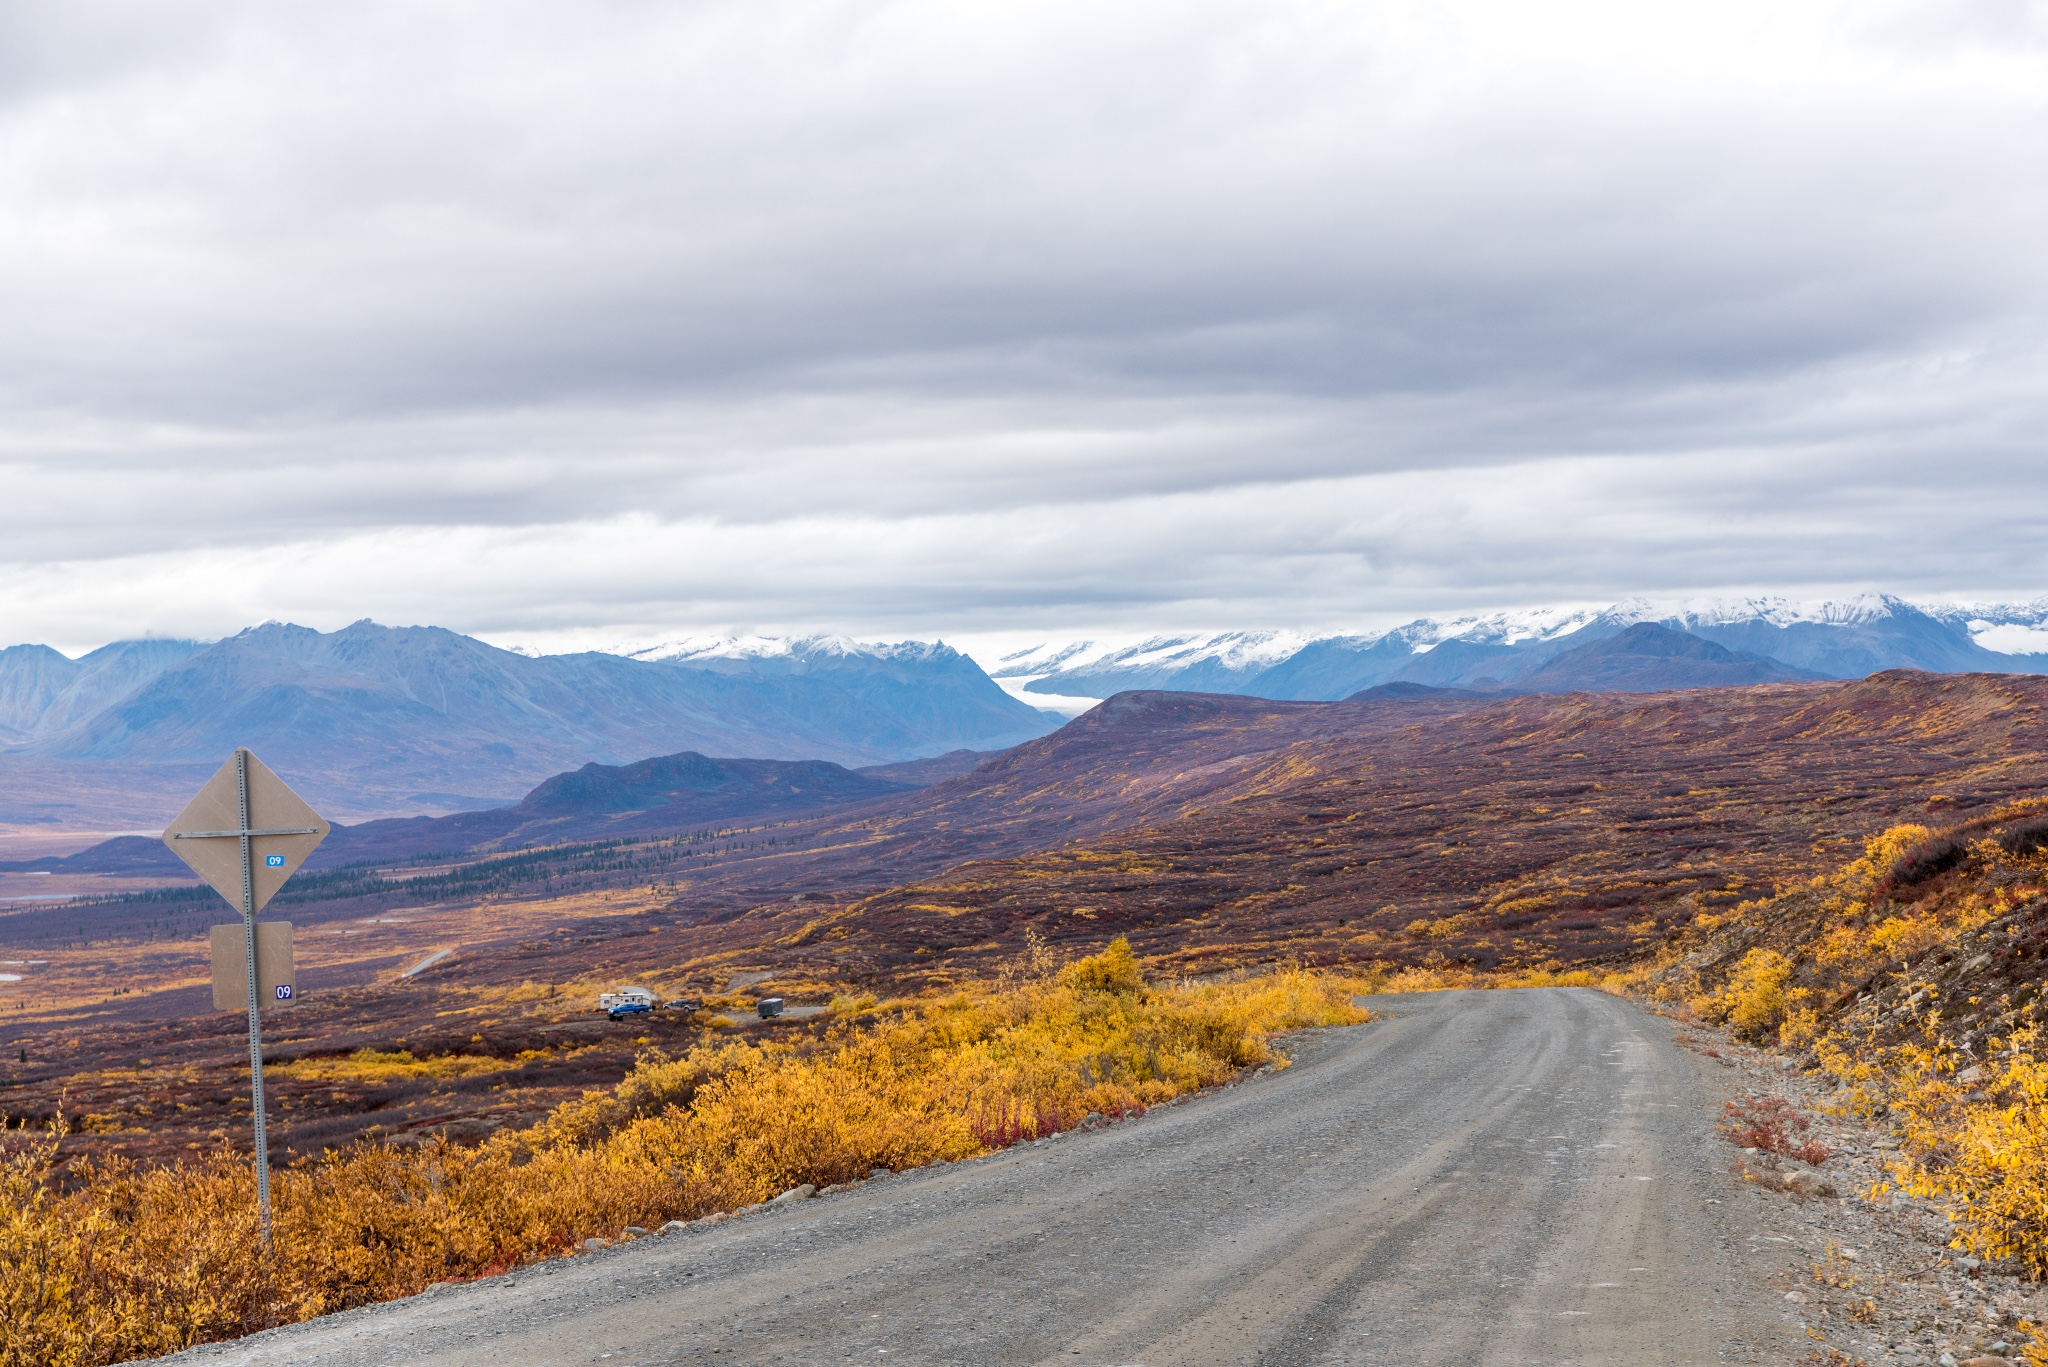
(626, 996)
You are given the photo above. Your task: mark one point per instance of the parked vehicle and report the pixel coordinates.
(769, 1007)
(625, 1009)
(625, 995)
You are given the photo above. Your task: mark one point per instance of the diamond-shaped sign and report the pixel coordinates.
(282, 829)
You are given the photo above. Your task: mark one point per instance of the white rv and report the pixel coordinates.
(626, 996)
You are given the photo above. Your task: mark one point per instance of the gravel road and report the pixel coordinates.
(1478, 1177)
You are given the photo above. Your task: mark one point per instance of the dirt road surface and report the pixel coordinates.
(1526, 1177)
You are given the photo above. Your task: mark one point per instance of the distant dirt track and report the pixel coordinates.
(1480, 1177)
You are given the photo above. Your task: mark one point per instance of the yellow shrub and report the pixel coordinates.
(1522, 906)
(1902, 937)
(1115, 969)
(1975, 1136)
(1997, 1167)
(1843, 948)
(762, 1130)
(1430, 979)
(1442, 928)
(1880, 852)
(1756, 999)
(1802, 1026)
(1981, 1146)
(372, 1065)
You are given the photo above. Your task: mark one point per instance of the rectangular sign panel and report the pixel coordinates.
(276, 982)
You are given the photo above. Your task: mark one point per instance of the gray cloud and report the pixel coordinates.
(920, 316)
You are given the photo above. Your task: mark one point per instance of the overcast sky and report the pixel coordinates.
(618, 320)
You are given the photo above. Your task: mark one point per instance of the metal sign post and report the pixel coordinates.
(295, 832)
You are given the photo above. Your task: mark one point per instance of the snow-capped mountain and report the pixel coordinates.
(1033, 661)
(1833, 639)
(1523, 627)
(744, 653)
(689, 649)
(1217, 662)
(2010, 628)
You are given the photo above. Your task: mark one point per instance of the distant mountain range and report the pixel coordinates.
(1540, 650)
(372, 720)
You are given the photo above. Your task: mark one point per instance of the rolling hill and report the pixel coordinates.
(598, 802)
(1532, 830)
(1138, 759)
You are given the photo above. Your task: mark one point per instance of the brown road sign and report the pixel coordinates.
(245, 834)
(283, 830)
(276, 984)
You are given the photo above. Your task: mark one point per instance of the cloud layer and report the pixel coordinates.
(919, 317)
